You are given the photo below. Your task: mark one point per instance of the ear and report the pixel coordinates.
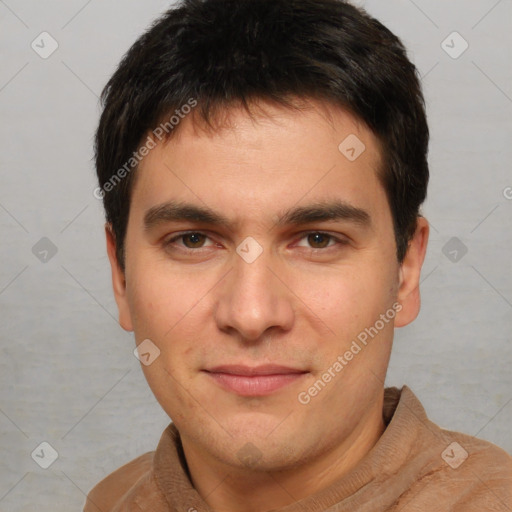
(409, 273)
(118, 281)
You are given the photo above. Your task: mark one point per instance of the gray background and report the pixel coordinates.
(67, 372)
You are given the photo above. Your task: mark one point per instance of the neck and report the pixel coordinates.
(229, 489)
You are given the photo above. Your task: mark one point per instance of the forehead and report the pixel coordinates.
(263, 162)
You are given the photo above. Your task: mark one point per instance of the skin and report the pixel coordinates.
(298, 304)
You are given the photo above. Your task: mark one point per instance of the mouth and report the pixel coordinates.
(254, 381)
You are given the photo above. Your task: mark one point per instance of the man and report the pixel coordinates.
(262, 166)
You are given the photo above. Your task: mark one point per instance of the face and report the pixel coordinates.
(290, 262)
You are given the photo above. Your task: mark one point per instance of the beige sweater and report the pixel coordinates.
(415, 466)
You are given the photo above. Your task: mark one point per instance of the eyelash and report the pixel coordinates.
(339, 241)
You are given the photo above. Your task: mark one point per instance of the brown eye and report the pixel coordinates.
(188, 243)
(196, 240)
(319, 240)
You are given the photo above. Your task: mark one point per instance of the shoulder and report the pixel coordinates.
(449, 470)
(464, 474)
(485, 472)
(105, 495)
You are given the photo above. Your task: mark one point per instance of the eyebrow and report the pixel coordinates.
(323, 211)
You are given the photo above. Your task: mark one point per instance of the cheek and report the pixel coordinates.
(158, 301)
(348, 293)
(350, 300)
(163, 310)
(172, 310)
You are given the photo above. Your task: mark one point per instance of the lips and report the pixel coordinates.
(266, 369)
(254, 381)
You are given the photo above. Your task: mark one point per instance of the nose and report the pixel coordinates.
(253, 300)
